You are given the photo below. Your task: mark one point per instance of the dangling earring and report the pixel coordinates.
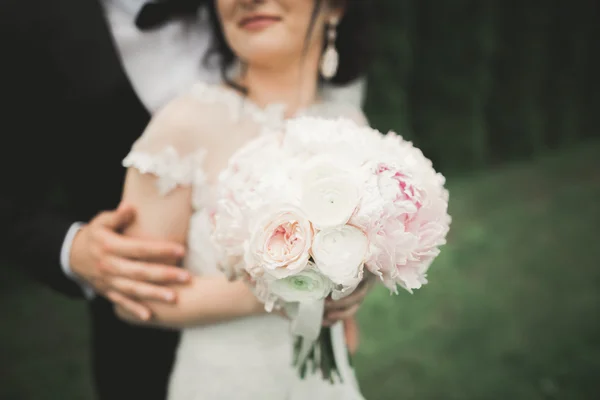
(330, 59)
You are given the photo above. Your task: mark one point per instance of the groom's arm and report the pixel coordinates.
(32, 226)
(37, 234)
(32, 237)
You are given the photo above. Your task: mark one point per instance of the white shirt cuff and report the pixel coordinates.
(65, 256)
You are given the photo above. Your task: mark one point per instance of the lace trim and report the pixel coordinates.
(270, 117)
(170, 168)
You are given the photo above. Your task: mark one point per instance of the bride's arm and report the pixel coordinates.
(166, 154)
(207, 299)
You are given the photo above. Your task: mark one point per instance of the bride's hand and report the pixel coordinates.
(337, 310)
(351, 334)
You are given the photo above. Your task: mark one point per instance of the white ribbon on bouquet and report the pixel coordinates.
(340, 353)
(307, 319)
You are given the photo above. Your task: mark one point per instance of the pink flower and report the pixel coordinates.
(280, 242)
(399, 190)
(403, 249)
(404, 212)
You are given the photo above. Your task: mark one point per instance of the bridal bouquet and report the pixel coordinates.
(303, 213)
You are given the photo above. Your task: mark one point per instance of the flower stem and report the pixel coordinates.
(320, 356)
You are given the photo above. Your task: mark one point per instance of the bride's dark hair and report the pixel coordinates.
(353, 40)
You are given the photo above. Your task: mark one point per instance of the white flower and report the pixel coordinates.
(318, 167)
(307, 285)
(340, 253)
(370, 201)
(329, 194)
(280, 242)
(340, 136)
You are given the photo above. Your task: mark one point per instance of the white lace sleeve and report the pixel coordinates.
(171, 147)
(169, 167)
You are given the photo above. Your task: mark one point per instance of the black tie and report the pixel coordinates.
(155, 13)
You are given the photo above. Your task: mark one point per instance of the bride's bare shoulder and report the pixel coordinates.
(202, 106)
(192, 117)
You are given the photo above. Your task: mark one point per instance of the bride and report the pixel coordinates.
(230, 347)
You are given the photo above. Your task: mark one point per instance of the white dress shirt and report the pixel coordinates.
(163, 63)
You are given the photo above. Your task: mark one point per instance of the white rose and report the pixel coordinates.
(307, 285)
(280, 242)
(329, 195)
(340, 254)
(324, 166)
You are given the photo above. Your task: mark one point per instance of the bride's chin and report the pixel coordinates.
(270, 58)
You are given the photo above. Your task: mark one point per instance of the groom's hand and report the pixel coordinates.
(126, 270)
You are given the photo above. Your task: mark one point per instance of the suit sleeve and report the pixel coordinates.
(33, 224)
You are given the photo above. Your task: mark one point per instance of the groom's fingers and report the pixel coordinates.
(116, 219)
(147, 272)
(141, 290)
(142, 249)
(132, 307)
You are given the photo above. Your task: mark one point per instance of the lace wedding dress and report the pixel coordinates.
(248, 358)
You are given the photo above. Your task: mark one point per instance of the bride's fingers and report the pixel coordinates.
(135, 309)
(356, 297)
(351, 334)
(282, 313)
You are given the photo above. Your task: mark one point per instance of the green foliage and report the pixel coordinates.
(478, 82)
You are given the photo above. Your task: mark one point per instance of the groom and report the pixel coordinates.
(83, 78)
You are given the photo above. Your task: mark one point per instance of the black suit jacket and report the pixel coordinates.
(68, 118)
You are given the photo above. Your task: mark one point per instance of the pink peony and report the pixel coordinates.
(280, 242)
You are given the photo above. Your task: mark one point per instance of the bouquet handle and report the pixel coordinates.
(342, 360)
(307, 318)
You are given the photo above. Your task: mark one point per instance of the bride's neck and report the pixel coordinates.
(295, 85)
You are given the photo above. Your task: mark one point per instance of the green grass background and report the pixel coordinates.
(511, 310)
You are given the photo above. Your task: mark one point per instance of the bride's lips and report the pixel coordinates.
(258, 22)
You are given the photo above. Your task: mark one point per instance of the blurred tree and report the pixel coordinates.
(591, 76)
(569, 70)
(454, 45)
(389, 105)
(476, 82)
(515, 111)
